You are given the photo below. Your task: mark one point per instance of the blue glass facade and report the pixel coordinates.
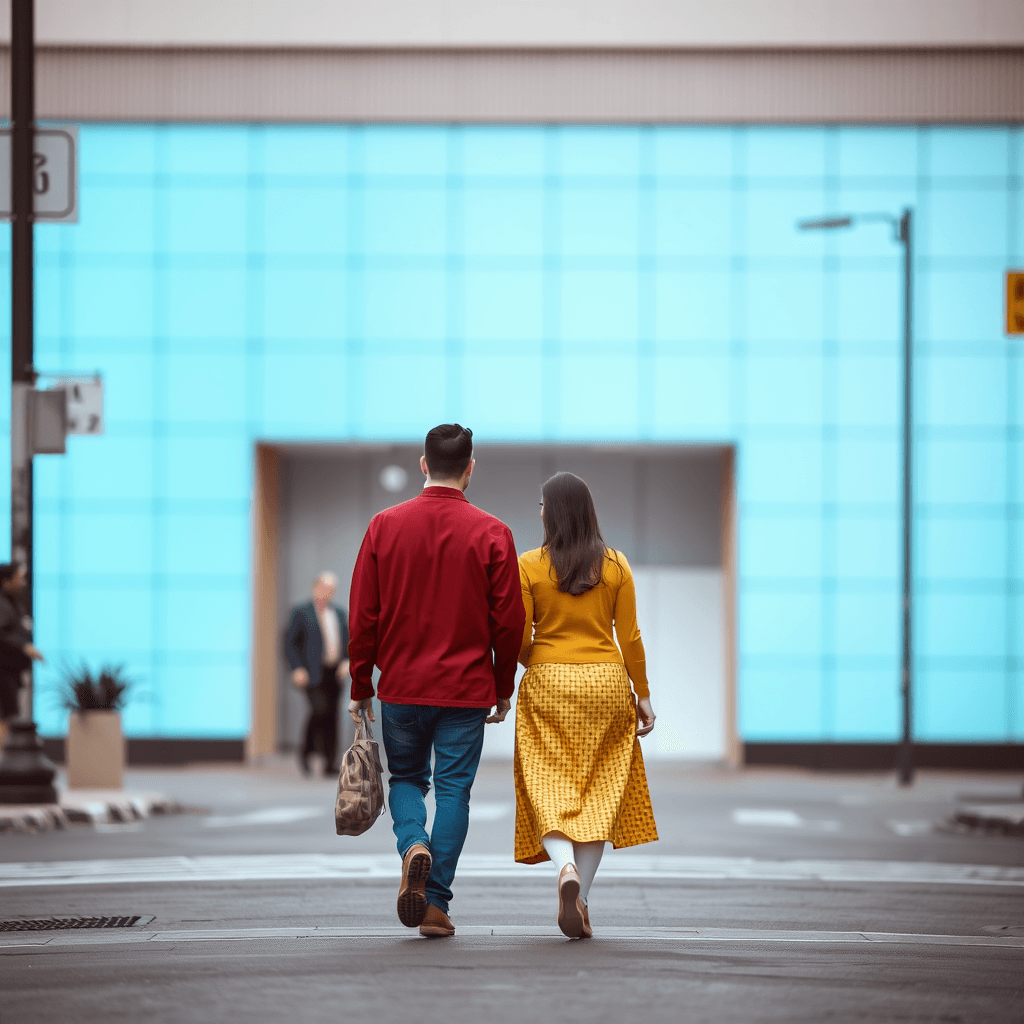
(236, 284)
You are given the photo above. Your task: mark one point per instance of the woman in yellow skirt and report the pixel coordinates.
(579, 773)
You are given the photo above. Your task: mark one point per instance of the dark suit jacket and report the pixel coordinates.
(303, 644)
(13, 637)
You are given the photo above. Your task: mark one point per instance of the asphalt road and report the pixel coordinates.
(771, 896)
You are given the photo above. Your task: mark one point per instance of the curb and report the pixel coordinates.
(87, 808)
(1007, 819)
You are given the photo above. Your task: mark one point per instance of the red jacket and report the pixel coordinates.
(436, 604)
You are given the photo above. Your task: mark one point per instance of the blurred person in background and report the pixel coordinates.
(316, 647)
(17, 652)
(579, 772)
(435, 605)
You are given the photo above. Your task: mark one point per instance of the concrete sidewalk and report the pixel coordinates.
(194, 788)
(773, 800)
(1005, 818)
(86, 807)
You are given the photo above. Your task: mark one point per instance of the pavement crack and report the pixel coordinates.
(648, 910)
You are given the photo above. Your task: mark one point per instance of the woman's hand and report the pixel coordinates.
(645, 716)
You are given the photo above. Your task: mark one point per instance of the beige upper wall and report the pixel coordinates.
(742, 24)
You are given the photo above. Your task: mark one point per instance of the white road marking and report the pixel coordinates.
(57, 940)
(911, 828)
(774, 819)
(268, 816)
(639, 867)
(780, 819)
(489, 812)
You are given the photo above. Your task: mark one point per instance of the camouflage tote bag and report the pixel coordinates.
(360, 799)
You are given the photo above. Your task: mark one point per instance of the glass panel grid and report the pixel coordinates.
(343, 283)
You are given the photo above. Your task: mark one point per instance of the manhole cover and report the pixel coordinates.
(49, 924)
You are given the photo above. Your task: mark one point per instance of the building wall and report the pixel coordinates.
(538, 85)
(319, 24)
(347, 283)
(491, 61)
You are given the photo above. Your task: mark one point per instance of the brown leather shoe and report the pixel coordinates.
(588, 932)
(436, 924)
(570, 907)
(412, 898)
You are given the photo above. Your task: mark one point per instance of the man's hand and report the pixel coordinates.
(501, 709)
(300, 677)
(356, 708)
(645, 716)
(33, 652)
(342, 672)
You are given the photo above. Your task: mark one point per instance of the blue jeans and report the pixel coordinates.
(457, 737)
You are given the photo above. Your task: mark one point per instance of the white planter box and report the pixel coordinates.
(95, 750)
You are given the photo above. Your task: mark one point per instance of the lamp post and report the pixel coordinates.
(902, 233)
(26, 777)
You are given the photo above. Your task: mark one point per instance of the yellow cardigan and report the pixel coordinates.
(577, 629)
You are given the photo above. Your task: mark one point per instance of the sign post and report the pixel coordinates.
(25, 775)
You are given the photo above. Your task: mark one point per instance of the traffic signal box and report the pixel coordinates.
(1015, 302)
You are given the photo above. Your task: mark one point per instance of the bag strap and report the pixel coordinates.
(364, 728)
(364, 725)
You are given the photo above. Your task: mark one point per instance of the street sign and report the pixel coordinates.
(1015, 302)
(71, 404)
(85, 406)
(55, 177)
(47, 422)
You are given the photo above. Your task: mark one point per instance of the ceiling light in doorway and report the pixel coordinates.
(393, 478)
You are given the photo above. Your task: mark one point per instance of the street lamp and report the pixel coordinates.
(901, 233)
(25, 775)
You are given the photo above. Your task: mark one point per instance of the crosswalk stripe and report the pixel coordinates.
(266, 867)
(536, 931)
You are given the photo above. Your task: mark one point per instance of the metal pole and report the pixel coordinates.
(22, 258)
(906, 757)
(26, 777)
(23, 116)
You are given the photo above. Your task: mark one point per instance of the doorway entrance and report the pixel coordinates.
(669, 508)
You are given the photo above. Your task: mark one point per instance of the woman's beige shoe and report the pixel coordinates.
(570, 907)
(588, 932)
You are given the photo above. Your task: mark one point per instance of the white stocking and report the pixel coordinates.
(588, 857)
(559, 848)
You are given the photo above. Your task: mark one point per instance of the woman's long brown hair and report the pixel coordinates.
(572, 537)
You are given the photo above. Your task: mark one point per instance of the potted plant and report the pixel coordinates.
(95, 748)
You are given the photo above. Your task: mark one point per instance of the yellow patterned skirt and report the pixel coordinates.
(578, 765)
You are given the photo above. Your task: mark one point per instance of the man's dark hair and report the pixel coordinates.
(448, 449)
(8, 570)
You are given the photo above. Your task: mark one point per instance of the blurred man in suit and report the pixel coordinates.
(316, 647)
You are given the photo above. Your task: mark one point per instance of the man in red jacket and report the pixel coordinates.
(436, 605)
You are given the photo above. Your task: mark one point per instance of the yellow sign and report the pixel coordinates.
(1015, 302)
